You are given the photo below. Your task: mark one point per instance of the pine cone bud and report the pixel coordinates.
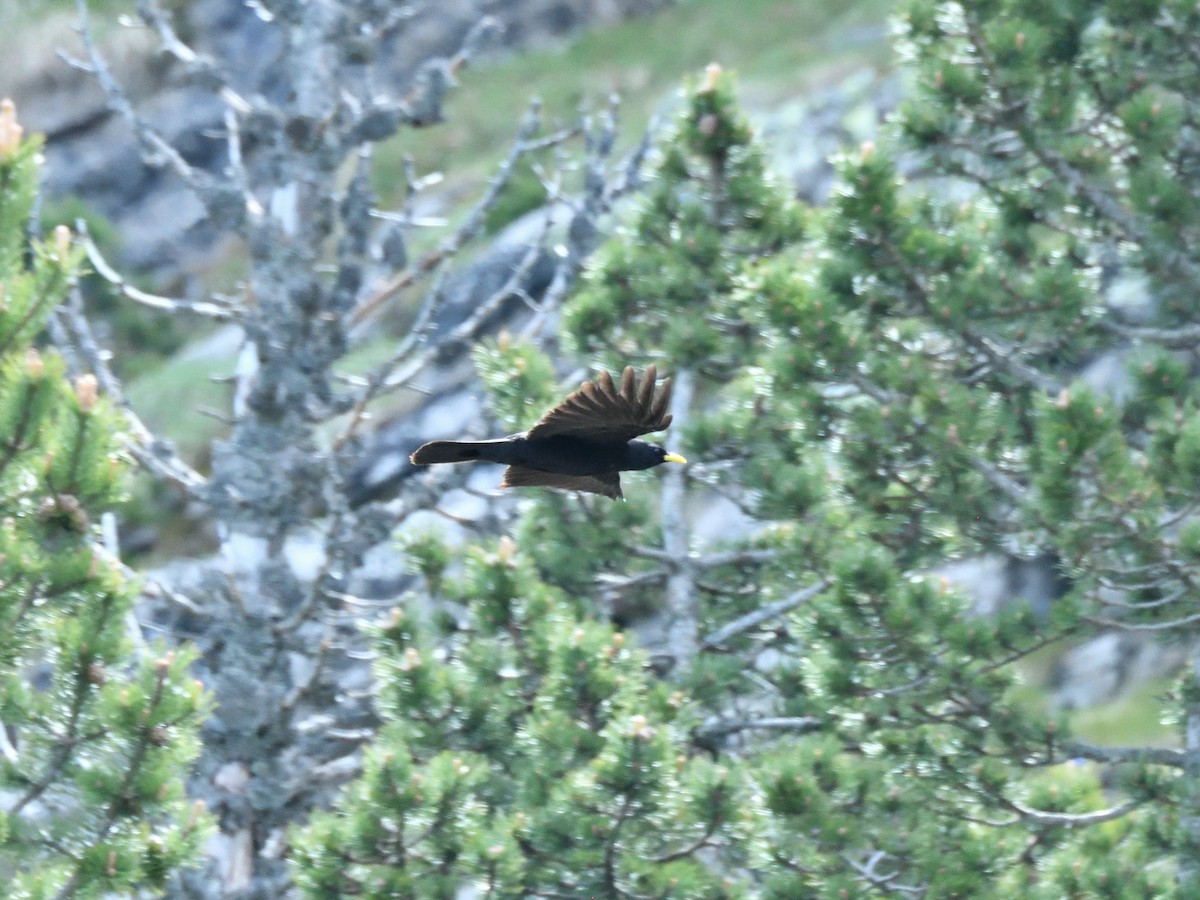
(87, 392)
(10, 131)
(62, 243)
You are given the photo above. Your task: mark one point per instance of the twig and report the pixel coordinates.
(199, 66)
(474, 222)
(390, 376)
(156, 150)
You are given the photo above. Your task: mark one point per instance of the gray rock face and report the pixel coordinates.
(806, 132)
(1103, 668)
(996, 582)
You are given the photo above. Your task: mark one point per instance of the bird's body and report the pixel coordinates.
(563, 454)
(582, 444)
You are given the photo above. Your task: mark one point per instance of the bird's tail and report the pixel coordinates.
(452, 452)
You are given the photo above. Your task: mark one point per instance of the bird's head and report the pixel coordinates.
(644, 455)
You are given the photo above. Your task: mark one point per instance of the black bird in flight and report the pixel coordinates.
(583, 444)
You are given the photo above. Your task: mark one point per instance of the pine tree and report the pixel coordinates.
(97, 728)
(531, 754)
(959, 330)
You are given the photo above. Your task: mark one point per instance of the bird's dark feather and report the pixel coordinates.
(608, 484)
(580, 445)
(451, 452)
(600, 411)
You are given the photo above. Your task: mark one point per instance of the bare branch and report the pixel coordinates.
(763, 614)
(617, 583)
(878, 880)
(70, 328)
(745, 557)
(682, 612)
(1072, 820)
(1169, 625)
(217, 311)
(156, 149)
(1159, 756)
(790, 724)
(391, 376)
(474, 222)
(202, 68)
(1185, 337)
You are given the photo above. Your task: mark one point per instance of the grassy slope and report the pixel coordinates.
(779, 48)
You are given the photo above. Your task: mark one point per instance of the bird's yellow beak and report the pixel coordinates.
(674, 457)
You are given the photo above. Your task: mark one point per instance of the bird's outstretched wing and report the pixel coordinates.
(600, 411)
(608, 484)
